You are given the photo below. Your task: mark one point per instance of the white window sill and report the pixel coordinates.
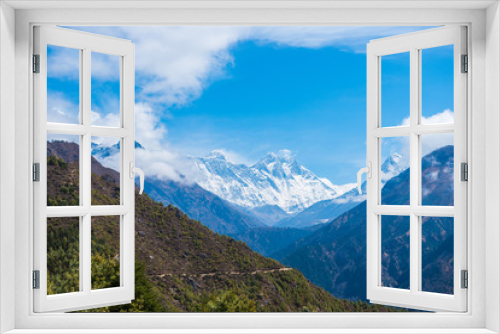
(250, 331)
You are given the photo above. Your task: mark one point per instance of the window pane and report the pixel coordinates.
(63, 85)
(63, 255)
(395, 252)
(437, 169)
(437, 254)
(437, 85)
(105, 90)
(395, 171)
(395, 89)
(105, 252)
(105, 171)
(63, 170)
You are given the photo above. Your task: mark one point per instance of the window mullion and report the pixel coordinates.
(414, 170)
(86, 172)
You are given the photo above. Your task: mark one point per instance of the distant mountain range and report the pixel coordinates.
(334, 257)
(277, 180)
(275, 188)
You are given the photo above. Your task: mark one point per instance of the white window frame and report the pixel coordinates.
(86, 297)
(413, 43)
(483, 251)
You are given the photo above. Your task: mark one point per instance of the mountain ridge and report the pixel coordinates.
(275, 180)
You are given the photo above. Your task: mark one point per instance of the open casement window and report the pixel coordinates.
(76, 272)
(400, 224)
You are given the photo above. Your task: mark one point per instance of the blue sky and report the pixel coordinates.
(253, 90)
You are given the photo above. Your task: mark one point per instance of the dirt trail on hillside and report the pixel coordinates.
(254, 272)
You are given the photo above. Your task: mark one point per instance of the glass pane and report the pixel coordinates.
(63, 170)
(437, 85)
(395, 252)
(63, 85)
(395, 171)
(437, 254)
(105, 171)
(105, 252)
(105, 90)
(437, 169)
(395, 89)
(63, 255)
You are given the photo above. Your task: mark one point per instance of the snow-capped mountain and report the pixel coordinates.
(109, 156)
(393, 166)
(277, 179)
(100, 151)
(327, 210)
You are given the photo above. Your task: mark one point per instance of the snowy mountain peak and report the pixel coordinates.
(278, 179)
(217, 154)
(282, 157)
(393, 160)
(393, 166)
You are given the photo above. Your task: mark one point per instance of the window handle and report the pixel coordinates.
(134, 170)
(368, 171)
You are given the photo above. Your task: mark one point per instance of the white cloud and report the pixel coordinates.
(149, 131)
(63, 63)
(446, 116)
(61, 110)
(175, 64)
(430, 142)
(109, 120)
(105, 67)
(351, 38)
(166, 165)
(158, 159)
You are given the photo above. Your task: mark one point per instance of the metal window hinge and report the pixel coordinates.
(36, 63)
(464, 171)
(36, 172)
(465, 64)
(465, 279)
(36, 279)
